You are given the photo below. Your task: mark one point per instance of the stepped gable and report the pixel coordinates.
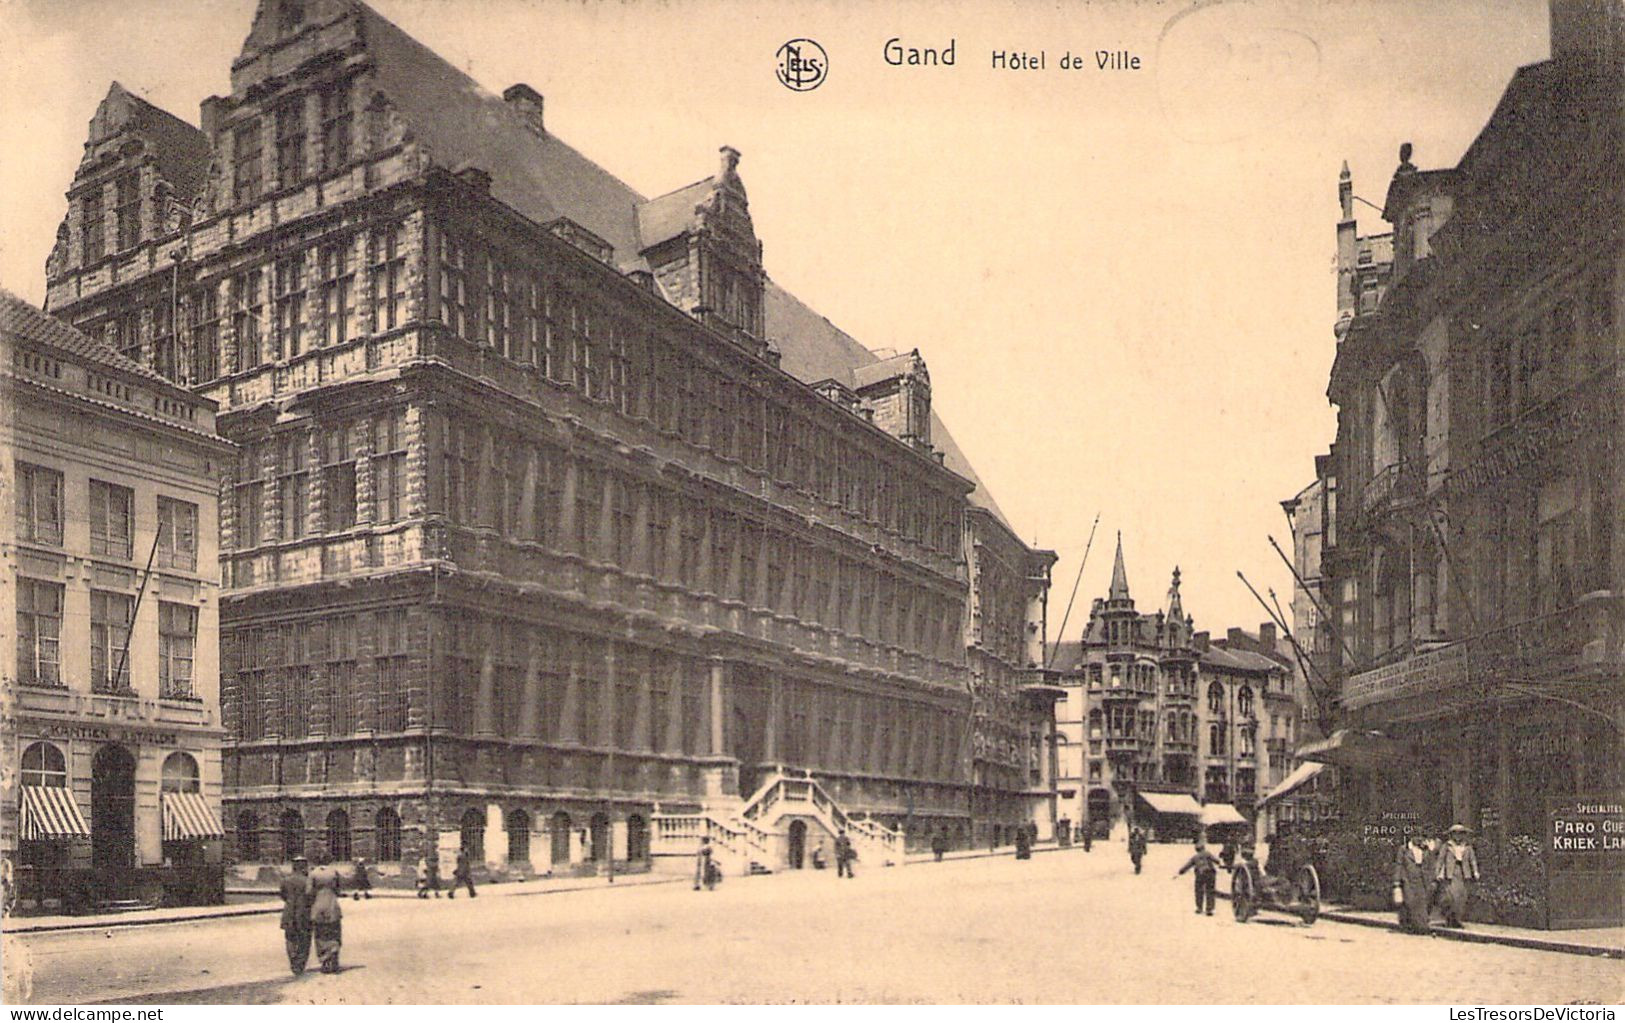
(180, 151)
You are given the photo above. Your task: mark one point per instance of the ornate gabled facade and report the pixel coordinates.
(540, 542)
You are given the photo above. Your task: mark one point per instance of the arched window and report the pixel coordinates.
(560, 829)
(293, 834)
(180, 773)
(473, 835)
(387, 835)
(1215, 700)
(44, 765)
(338, 836)
(600, 837)
(248, 836)
(1244, 702)
(518, 836)
(1094, 723)
(1215, 739)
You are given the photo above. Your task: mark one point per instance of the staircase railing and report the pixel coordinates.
(874, 840)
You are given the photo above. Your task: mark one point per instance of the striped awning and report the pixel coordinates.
(50, 812)
(187, 816)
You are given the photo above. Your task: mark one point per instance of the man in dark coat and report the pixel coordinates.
(844, 855)
(939, 843)
(1206, 866)
(1024, 844)
(462, 874)
(1136, 847)
(1413, 884)
(296, 895)
(360, 883)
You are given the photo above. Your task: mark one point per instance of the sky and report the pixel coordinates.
(1122, 281)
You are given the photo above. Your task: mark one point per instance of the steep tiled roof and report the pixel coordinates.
(19, 318)
(667, 216)
(181, 151)
(1239, 660)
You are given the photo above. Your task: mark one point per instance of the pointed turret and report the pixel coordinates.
(1176, 610)
(1119, 590)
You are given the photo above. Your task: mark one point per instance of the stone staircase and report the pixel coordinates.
(751, 837)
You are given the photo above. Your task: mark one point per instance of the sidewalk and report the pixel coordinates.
(1608, 942)
(261, 901)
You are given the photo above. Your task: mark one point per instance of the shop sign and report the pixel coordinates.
(105, 733)
(1587, 827)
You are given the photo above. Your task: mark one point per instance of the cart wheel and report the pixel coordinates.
(1243, 895)
(1309, 891)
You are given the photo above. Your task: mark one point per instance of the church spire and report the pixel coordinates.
(1119, 590)
(1176, 610)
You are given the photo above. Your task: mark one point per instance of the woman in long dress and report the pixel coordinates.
(326, 916)
(1414, 868)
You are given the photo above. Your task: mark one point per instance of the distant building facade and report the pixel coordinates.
(554, 517)
(109, 693)
(1472, 545)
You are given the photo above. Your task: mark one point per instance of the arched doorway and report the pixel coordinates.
(112, 808)
(798, 844)
(387, 835)
(637, 839)
(338, 836)
(473, 835)
(1100, 810)
(559, 834)
(518, 838)
(293, 834)
(248, 836)
(600, 837)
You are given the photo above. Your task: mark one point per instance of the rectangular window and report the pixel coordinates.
(92, 229)
(177, 643)
(110, 519)
(389, 467)
(165, 346)
(204, 348)
(246, 147)
(39, 632)
(290, 143)
(338, 298)
(248, 310)
(338, 478)
(388, 278)
(391, 665)
(497, 311)
(453, 287)
(336, 120)
(109, 635)
(39, 504)
(127, 209)
(177, 534)
(341, 662)
(290, 305)
(293, 486)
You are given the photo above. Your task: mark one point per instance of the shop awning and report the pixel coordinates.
(1221, 813)
(50, 812)
(1369, 751)
(1172, 802)
(1303, 775)
(187, 816)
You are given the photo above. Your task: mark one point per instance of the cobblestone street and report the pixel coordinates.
(1063, 927)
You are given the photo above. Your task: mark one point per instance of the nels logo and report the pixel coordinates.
(802, 65)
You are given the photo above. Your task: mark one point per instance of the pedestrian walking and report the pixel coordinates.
(844, 855)
(326, 915)
(1024, 844)
(1136, 847)
(1088, 836)
(1227, 854)
(1206, 866)
(1457, 868)
(296, 895)
(1414, 869)
(428, 876)
(939, 843)
(703, 872)
(360, 883)
(462, 874)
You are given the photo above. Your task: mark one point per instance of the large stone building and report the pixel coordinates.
(1472, 546)
(109, 695)
(1161, 726)
(558, 527)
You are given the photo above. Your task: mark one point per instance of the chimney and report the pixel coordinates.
(209, 112)
(527, 103)
(1235, 637)
(1201, 641)
(1266, 636)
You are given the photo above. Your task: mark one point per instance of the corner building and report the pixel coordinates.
(559, 532)
(109, 711)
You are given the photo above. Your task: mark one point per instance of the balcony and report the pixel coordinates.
(1580, 642)
(1393, 485)
(1122, 744)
